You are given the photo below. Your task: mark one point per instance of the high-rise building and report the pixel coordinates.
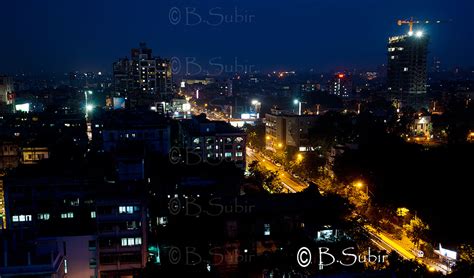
(407, 63)
(143, 73)
(340, 85)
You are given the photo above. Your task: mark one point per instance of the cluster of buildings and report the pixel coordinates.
(78, 183)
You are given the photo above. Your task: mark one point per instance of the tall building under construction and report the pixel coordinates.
(407, 64)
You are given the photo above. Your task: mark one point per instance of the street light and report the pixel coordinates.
(257, 104)
(297, 102)
(360, 185)
(89, 107)
(299, 157)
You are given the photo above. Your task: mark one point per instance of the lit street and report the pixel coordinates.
(292, 184)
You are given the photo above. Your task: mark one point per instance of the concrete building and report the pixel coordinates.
(26, 258)
(407, 63)
(100, 228)
(212, 141)
(340, 85)
(122, 240)
(143, 74)
(118, 129)
(32, 155)
(284, 130)
(9, 155)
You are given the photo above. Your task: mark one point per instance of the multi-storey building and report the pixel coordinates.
(407, 63)
(122, 240)
(118, 129)
(143, 74)
(99, 227)
(212, 141)
(288, 130)
(341, 85)
(9, 155)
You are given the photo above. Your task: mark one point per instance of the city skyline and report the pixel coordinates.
(236, 139)
(320, 35)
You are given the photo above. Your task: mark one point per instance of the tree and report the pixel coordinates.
(416, 230)
(465, 265)
(269, 180)
(255, 135)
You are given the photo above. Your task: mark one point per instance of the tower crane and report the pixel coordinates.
(410, 22)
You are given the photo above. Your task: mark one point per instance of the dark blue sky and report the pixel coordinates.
(64, 35)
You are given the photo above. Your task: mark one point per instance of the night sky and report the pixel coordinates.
(88, 35)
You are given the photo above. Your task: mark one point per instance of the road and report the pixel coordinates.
(384, 242)
(289, 182)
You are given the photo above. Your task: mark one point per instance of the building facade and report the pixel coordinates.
(212, 141)
(288, 130)
(143, 73)
(407, 64)
(340, 85)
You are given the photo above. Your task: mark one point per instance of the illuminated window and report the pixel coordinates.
(21, 218)
(239, 154)
(92, 214)
(43, 216)
(405, 69)
(92, 263)
(266, 229)
(128, 209)
(228, 154)
(131, 241)
(67, 215)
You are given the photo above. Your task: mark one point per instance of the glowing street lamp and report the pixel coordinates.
(257, 104)
(297, 102)
(299, 157)
(89, 107)
(360, 185)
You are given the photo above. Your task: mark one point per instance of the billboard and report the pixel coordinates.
(447, 253)
(25, 107)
